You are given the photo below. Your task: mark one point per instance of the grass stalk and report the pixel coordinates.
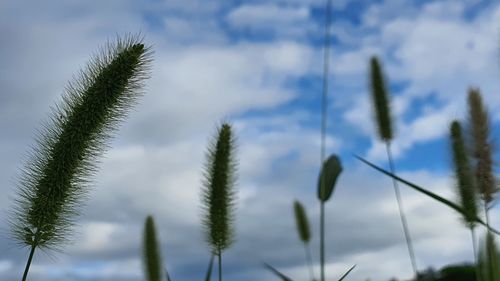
(218, 194)
(219, 256)
(307, 250)
(324, 113)
(322, 239)
(56, 178)
(28, 263)
(474, 250)
(381, 105)
(404, 223)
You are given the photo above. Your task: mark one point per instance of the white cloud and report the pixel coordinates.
(267, 15)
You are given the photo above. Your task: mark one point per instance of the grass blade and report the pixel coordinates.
(436, 197)
(347, 273)
(282, 276)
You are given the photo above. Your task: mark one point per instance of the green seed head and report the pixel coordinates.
(218, 194)
(381, 102)
(55, 180)
(302, 222)
(328, 177)
(151, 252)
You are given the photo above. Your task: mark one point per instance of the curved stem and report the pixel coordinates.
(402, 215)
(28, 264)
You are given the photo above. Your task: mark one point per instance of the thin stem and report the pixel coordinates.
(326, 68)
(490, 253)
(487, 215)
(309, 260)
(220, 265)
(402, 215)
(474, 249)
(324, 107)
(28, 264)
(322, 240)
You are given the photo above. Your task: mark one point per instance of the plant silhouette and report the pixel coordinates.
(55, 180)
(218, 192)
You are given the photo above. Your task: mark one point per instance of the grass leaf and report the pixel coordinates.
(438, 198)
(347, 273)
(282, 276)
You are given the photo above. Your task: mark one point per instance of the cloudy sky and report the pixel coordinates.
(258, 65)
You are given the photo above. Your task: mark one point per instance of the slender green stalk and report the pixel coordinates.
(381, 105)
(307, 250)
(28, 264)
(324, 113)
(55, 179)
(322, 239)
(218, 194)
(402, 215)
(474, 250)
(219, 256)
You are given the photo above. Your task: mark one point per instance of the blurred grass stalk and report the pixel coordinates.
(481, 151)
(304, 232)
(465, 184)
(381, 105)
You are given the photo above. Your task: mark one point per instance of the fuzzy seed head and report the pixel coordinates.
(218, 195)
(481, 146)
(465, 184)
(56, 178)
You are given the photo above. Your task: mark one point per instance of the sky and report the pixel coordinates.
(257, 64)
